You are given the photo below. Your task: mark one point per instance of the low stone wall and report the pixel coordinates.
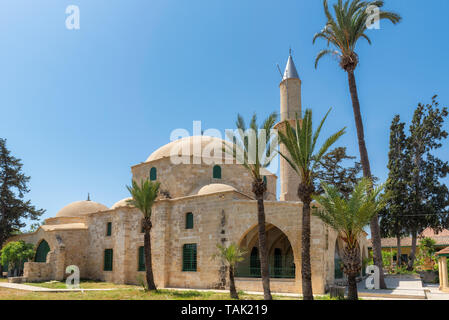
(276, 285)
(37, 272)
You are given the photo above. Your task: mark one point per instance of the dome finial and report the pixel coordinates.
(88, 196)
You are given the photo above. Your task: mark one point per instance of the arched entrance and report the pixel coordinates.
(338, 270)
(41, 252)
(280, 254)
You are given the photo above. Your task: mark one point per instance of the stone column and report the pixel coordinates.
(445, 280)
(440, 271)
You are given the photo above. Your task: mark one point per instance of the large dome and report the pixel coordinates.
(81, 208)
(187, 146)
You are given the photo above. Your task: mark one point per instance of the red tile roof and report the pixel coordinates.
(443, 252)
(441, 239)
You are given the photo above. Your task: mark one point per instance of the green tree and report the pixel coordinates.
(143, 198)
(348, 217)
(428, 198)
(14, 209)
(301, 144)
(332, 171)
(14, 254)
(393, 221)
(352, 18)
(230, 256)
(253, 148)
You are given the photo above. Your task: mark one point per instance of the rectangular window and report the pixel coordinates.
(189, 220)
(189, 257)
(141, 266)
(108, 259)
(109, 229)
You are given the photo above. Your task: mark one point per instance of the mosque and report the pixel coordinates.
(204, 203)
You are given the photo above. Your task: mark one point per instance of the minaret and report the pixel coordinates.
(290, 88)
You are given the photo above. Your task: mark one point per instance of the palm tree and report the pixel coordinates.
(254, 149)
(230, 255)
(348, 217)
(300, 143)
(143, 198)
(342, 33)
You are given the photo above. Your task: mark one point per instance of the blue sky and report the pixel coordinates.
(80, 107)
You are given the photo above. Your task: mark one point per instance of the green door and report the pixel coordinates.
(41, 253)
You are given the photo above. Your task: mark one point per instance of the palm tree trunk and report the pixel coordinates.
(148, 263)
(374, 225)
(352, 287)
(399, 252)
(306, 268)
(411, 259)
(263, 250)
(232, 289)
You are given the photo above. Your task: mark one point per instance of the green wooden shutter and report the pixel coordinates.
(153, 174)
(254, 263)
(189, 257)
(141, 259)
(41, 252)
(189, 220)
(108, 259)
(265, 180)
(109, 229)
(216, 172)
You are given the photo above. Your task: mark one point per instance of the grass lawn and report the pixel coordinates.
(123, 292)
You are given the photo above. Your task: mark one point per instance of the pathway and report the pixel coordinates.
(25, 287)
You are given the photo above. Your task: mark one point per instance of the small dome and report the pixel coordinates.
(81, 208)
(189, 145)
(215, 188)
(121, 203)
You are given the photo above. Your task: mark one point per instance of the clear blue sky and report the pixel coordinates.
(81, 107)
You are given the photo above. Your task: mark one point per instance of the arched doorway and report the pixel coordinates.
(41, 252)
(338, 262)
(280, 254)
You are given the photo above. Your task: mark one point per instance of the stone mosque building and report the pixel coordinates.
(204, 205)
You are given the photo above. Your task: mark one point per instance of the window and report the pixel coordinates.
(108, 259)
(216, 172)
(141, 266)
(189, 220)
(153, 174)
(109, 229)
(189, 257)
(265, 180)
(254, 262)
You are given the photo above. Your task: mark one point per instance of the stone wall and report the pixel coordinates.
(185, 180)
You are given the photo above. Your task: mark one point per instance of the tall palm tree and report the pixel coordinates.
(342, 33)
(143, 198)
(254, 149)
(300, 143)
(348, 217)
(230, 255)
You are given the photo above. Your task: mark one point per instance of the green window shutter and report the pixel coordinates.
(254, 263)
(141, 259)
(108, 259)
(153, 174)
(189, 257)
(216, 172)
(109, 229)
(41, 252)
(189, 220)
(265, 180)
